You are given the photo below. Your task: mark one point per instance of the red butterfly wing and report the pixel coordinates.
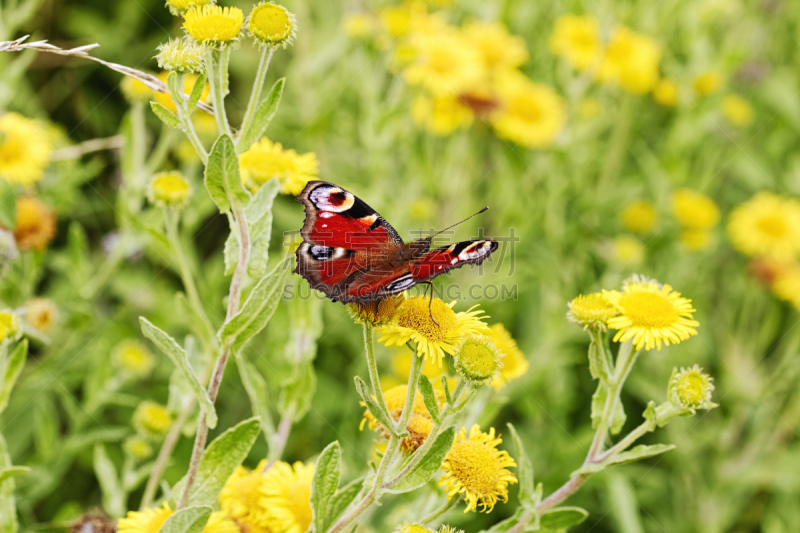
(447, 258)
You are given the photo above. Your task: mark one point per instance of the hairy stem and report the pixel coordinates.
(186, 122)
(258, 87)
(372, 366)
(215, 66)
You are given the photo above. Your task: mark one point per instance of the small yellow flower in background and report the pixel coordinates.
(412, 528)
(266, 160)
(651, 315)
(498, 49)
(41, 314)
(241, 498)
(691, 389)
(696, 239)
(477, 470)
(628, 250)
(449, 529)
(151, 520)
(35, 224)
(514, 363)
(419, 427)
(185, 152)
(477, 359)
(529, 114)
(707, 83)
(576, 38)
(666, 93)
(395, 399)
(639, 216)
(9, 325)
(272, 24)
(134, 89)
(359, 26)
(182, 56)
(737, 110)
(445, 63)
(151, 419)
(441, 115)
(213, 25)
(589, 108)
(591, 311)
(401, 365)
(285, 494)
(377, 312)
(188, 84)
(396, 20)
(631, 60)
(786, 284)
(169, 189)
(24, 149)
(179, 7)
(694, 209)
(133, 358)
(138, 447)
(766, 225)
(414, 323)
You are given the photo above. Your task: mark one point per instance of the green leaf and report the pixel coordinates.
(643, 451)
(446, 388)
(598, 403)
(623, 504)
(562, 517)
(197, 92)
(13, 367)
(381, 416)
(297, 392)
(524, 469)
(180, 359)
(506, 525)
(187, 520)
(429, 464)
(167, 117)
(13, 471)
(429, 397)
(340, 501)
(222, 177)
(110, 486)
(219, 461)
(324, 483)
(257, 309)
(598, 363)
(8, 507)
(258, 392)
(259, 223)
(263, 116)
(617, 418)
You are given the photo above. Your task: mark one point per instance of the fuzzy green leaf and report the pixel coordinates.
(430, 463)
(8, 507)
(617, 418)
(429, 397)
(373, 407)
(562, 517)
(197, 92)
(222, 177)
(341, 500)
(524, 469)
(324, 483)
(13, 471)
(13, 367)
(598, 363)
(259, 223)
(598, 402)
(643, 451)
(263, 116)
(110, 486)
(188, 520)
(167, 117)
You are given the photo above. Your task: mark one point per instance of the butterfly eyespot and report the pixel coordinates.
(320, 253)
(333, 199)
(400, 283)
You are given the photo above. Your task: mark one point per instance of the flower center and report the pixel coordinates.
(649, 309)
(477, 360)
(691, 389)
(773, 225)
(475, 465)
(271, 22)
(416, 315)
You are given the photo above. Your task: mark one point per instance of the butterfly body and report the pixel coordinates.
(352, 254)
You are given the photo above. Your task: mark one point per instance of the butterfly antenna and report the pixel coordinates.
(457, 223)
(430, 302)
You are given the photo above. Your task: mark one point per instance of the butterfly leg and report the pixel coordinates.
(430, 301)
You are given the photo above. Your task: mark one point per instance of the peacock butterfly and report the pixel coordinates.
(350, 253)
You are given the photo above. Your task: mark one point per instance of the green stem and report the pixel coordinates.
(171, 223)
(449, 504)
(216, 60)
(160, 150)
(619, 144)
(258, 87)
(372, 366)
(186, 122)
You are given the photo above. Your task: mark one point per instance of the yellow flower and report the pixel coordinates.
(377, 312)
(241, 498)
(286, 491)
(266, 160)
(589, 108)
(694, 209)
(628, 250)
(576, 38)
(134, 89)
(631, 61)
(215, 25)
(41, 314)
(401, 365)
(477, 359)
(498, 49)
(514, 363)
(151, 419)
(181, 55)
(358, 26)
(35, 224)
(707, 83)
(766, 225)
(396, 20)
(24, 149)
(412, 528)
(137, 447)
(414, 323)
(272, 24)
(441, 115)
(786, 285)
(476, 469)
(691, 389)
(737, 110)
(133, 358)
(529, 114)
(169, 189)
(651, 315)
(151, 520)
(639, 216)
(445, 63)
(666, 93)
(395, 399)
(188, 84)
(696, 239)
(9, 325)
(419, 427)
(179, 7)
(591, 311)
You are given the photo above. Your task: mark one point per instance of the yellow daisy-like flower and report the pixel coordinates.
(412, 528)
(651, 315)
(272, 24)
(414, 323)
(358, 26)
(285, 491)
(24, 149)
(138, 447)
(266, 160)
(737, 110)
(179, 7)
(41, 314)
(514, 363)
(628, 250)
(631, 60)
(241, 497)
(694, 209)
(419, 427)
(169, 189)
(35, 224)
(152, 419)
(591, 311)
(498, 49)
(181, 55)
(9, 325)
(445, 63)
(377, 312)
(639, 216)
(395, 399)
(188, 84)
(707, 83)
(691, 389)
(666, 93)
(401, 365)
(576, 38)
(212, 24)
(766, 225)
(529, 114)
(477, 470)
(786, 284)
(151, 520)
(442, 115)
(133, 357)
(477, 359)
